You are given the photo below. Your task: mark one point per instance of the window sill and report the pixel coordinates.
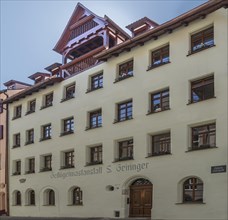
(16, 117)
(16, 146)
(75, 205)
(45, 170)
(191, 102)
(190, 203)
(199, 50)
(200, 148)
(16, 174)
(66, 167)
(29, 112)
(155, 66)
(67, 99)
(92, 90)
(91, 128)
(93, 163)
(122, 78)
(45, 139)
(159, 154)
(30, 205)
(118, 121)
(29, 172)
(49, 205)
(123, 159)
(153, 112)
(46, 106)
(66, 133)
(28, 143)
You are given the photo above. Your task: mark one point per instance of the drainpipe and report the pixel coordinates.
(6, 156)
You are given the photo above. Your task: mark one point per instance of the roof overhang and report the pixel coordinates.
(199, 12)
(37, 87)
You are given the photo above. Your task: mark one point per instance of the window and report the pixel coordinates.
(49, 196)
(29, 136)
(48, 100)
(31, 165)
(1, 106)
(203, 136)
(31, 106)
(202, 89)
(17, 198)
(31, 197)
(95, 119)
(124, 111)
(68, 160)
(95, 155)
(1, 132)
(125, 150)
(68, 126)
(17, 112)
(96, 82)
(202, 40)
(69, 92)
(160, 56)
(76, 196)
(159, 101)
(125, 70)
(46, 132)
(47, 163)
(193, 190)
(17, 167)
(160, 144)
(16, 140)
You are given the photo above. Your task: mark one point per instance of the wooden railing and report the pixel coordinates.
(82, 63)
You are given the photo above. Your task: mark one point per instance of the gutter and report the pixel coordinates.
(6, 156)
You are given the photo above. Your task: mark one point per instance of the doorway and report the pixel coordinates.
(141, 198)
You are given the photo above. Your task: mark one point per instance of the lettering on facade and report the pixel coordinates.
(218, 169)
(99, 170)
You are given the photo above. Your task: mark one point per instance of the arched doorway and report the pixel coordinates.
(141, 198)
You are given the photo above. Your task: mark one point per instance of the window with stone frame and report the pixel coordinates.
(203, 136)
(125, 150)
(16, 140)
(124, 111)
(95, 119)
(30, 165)
(159, 101)
(46, 132)
(160, 144)
(77, 196)
(68, 159)
(17, 167)
(70, 91)
(96, 81)
(29, 136)
(48, 100)
(125, 70)
(202, 40)
(193, 190)
(95, 155)
(160, 56)
(31, 106)
(202, 89)
(17, 111)
(67, 126)
(46, 161)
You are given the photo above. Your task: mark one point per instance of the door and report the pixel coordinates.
(140, 199)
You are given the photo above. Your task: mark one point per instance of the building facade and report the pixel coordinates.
(13, 87)
(139, 132)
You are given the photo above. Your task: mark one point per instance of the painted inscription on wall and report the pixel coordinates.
(118, 168)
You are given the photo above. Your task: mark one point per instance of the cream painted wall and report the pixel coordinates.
(165, 172)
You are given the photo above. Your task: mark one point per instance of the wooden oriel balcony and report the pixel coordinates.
(82, 63)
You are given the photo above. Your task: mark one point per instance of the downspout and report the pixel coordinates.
(6, 156)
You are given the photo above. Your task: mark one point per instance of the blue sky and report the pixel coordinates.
(30, 29)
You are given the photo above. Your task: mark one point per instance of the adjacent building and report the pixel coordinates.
(126, 126)
(12, 87)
